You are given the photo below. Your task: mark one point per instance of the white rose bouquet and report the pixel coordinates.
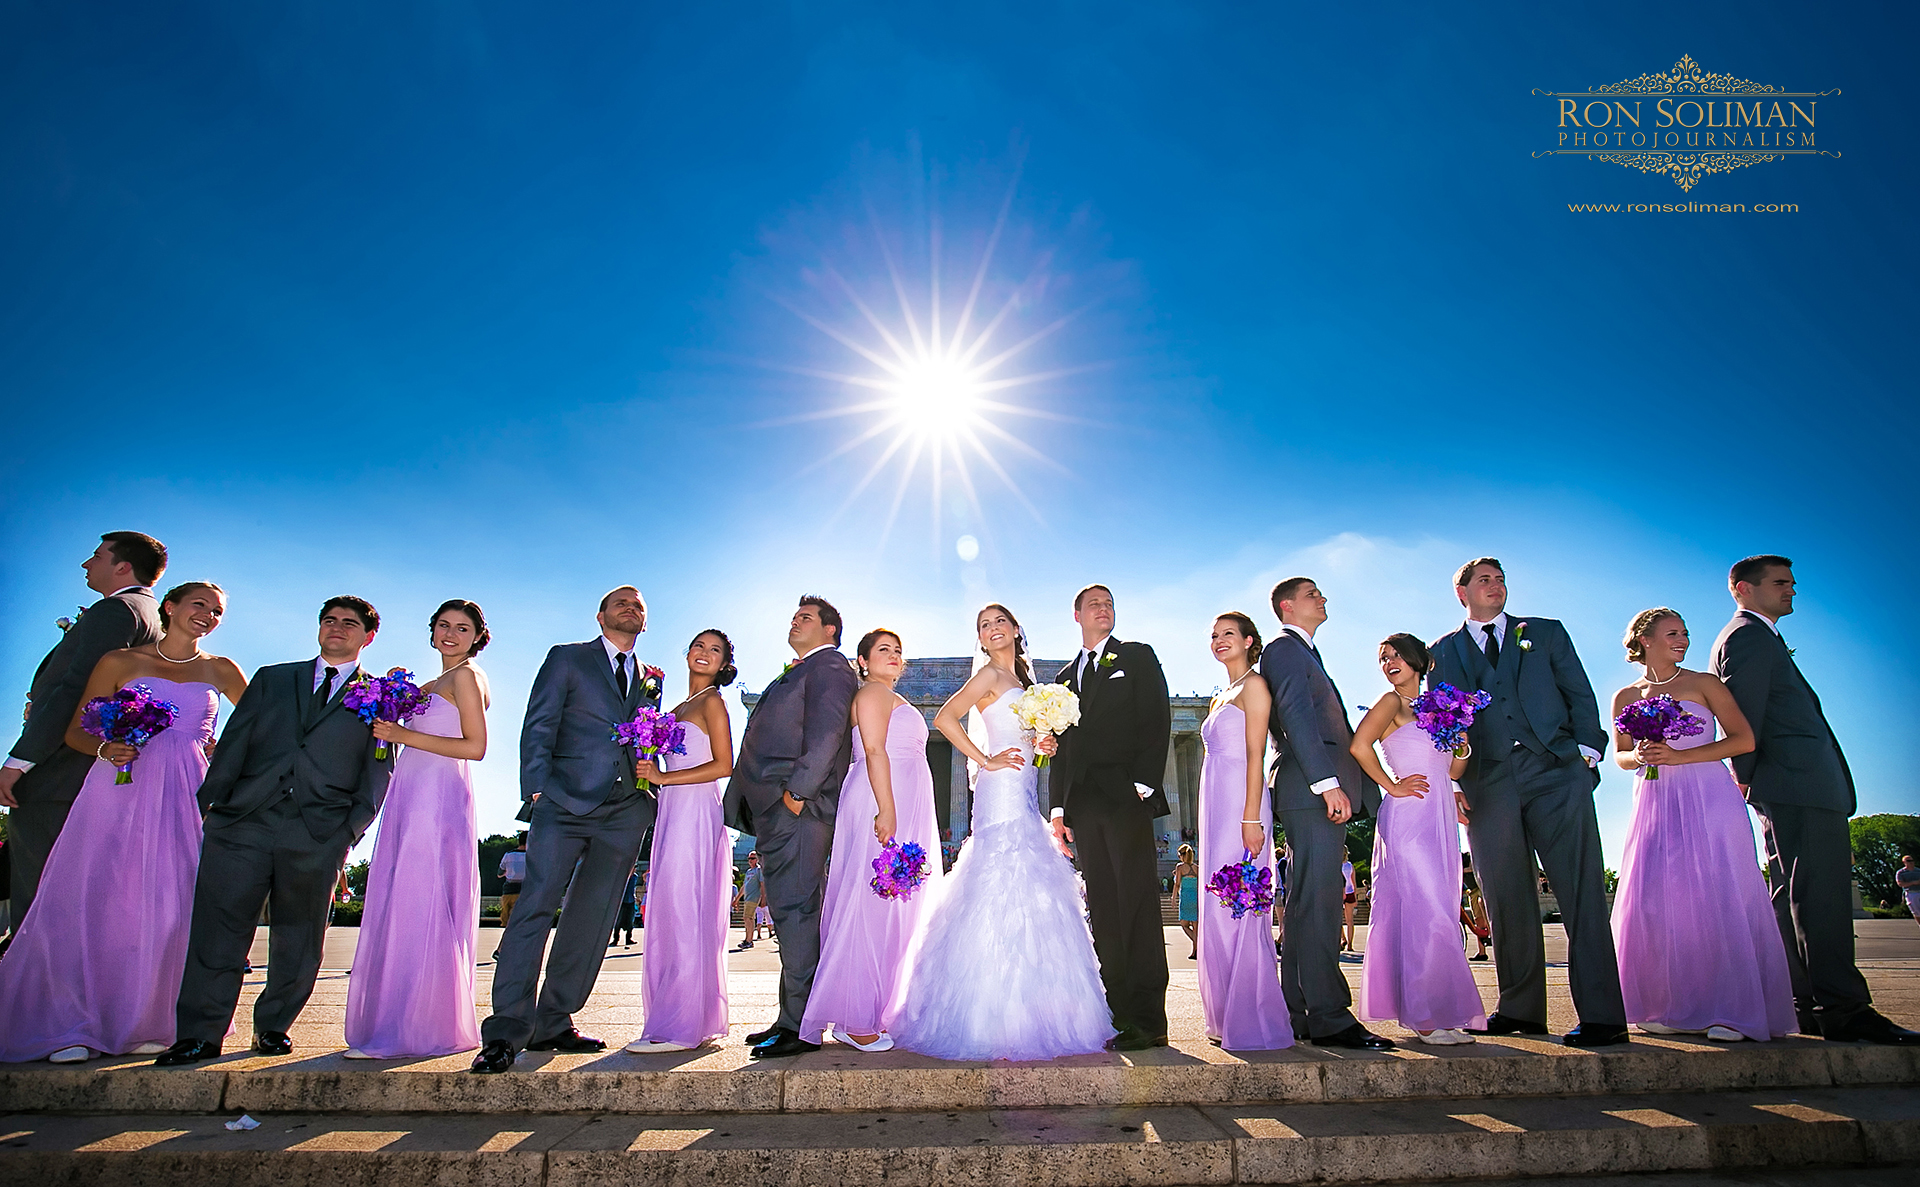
(1047, 709)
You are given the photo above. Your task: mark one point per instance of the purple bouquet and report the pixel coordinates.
(393, 697)
(899, 870)
(1242, 887)
(651, 734)
(131, 717)
(1657, 719)
(1446, 713)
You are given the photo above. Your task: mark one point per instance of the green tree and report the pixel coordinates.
(1878, 844)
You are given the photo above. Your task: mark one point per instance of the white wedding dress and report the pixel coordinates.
(1004, 966)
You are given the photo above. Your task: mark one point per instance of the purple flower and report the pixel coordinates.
(394, 697)
(1657, 719)
(131, 717)
(899, 870)
(1242, 887)
(1446, 713)
(651, 733)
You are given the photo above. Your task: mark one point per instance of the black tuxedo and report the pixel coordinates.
(1798, 782)
(129, 618)
(1125, 731)
(292, 785)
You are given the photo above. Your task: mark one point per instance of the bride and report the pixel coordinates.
(1004, 966)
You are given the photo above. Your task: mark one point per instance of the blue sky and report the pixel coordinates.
(423, 301)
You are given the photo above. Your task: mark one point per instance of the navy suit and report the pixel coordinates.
(1529, 790)
(587, 818)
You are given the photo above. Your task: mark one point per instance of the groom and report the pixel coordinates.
(1529, 787)
(293, 784)
(784, 791)
(1105, 791)
(586, 821)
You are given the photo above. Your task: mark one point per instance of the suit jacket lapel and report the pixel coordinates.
(1097, 669)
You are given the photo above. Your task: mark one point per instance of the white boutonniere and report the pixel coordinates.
(1107, 660)
(1520, 637)
(66, 624)
(650, 680)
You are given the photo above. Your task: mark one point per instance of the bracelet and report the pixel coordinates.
(1261, 823)
(100, 751)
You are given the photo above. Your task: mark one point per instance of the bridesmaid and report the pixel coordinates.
(1692, 924)
(96, 963)
(1416, 968)
(1239, 977)
(411, 992)
(887, 795)
(689, 881)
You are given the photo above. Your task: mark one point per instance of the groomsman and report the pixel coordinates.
(1529, 788)
(292, 785)
(42, 775)
(1797, 780)
(1317, 788)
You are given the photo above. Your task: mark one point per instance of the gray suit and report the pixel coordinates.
(799, 739)
(292, 785)
(1313, 738)
(1529, 790)
(585, 828)
(46, 793)
(1798, 781)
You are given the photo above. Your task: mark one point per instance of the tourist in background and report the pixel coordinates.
(1186, 897)
(752, 901)
(96, 965)
(887, 796)
(629, 907)
(1416, 970)
(411, 993)
(513, 871)
(1699, 949)
(1907, 878)
(683, 979)
(1350, 894)
(1240, 998)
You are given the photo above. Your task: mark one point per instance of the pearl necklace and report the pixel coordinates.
(1652, 683)
(197, 654)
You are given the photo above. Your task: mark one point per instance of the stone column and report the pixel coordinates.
(962, 814)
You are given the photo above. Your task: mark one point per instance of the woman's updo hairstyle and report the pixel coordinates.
(864, 652)
(1642, 626)
(1022, 669)
(1411, 649)
(180, 591)
(1248, 629)
(727, 673)
(472, 610)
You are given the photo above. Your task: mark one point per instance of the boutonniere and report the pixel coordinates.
(1107, 660)
(1520, 637)
(789, 666)
(66, 624)
(650, 678)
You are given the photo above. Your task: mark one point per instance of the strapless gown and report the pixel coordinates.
(411, 991)
(1692, 923)
(683, 968)
(1240, 994)
(98, 959)
(1416, 969)
(1004, 967)
(863, 937)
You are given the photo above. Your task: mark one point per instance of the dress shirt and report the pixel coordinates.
(1322, 786)
(801, 659)
(1771, 624)
(1477, 631)
(342, 672)
(21, 764)
(613, 658)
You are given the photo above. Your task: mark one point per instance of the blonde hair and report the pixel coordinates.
(1642, 626)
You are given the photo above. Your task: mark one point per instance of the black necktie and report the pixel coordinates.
(620, 673)
(324, 693)
(1493, 646)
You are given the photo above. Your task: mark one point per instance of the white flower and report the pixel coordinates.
(1047, 708)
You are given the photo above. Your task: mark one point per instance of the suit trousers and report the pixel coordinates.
(1319, 1000)
(1810, 866)
(1114, 840)
(266, 857)
(603, 844)
(1522, 804)
(32, 828)
(793, 854)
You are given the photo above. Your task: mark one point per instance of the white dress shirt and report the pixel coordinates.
(1771, 624)
(341, 672)
(1477, 631)
(1320, 786)
(613, 658)
(801, 659)
(21, 764)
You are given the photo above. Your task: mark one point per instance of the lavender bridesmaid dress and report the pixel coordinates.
(1692, 923)
(1239, 975)
(683, 969)
(863, 937)
(1416, 969)
(411, 992)
(97, 961)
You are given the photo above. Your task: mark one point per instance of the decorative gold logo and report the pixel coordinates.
(1701, 123)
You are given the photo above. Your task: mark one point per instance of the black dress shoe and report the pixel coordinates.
(1132, 1038)
(760, 1036)
(568, 1040)
(1870, 1026)
(1809, 1022)
(1502, 1024)
(497, 1056)
(1355, 1037)
(272, 1042)
(187, 1051)
(782, 1045)
(1595, 1034)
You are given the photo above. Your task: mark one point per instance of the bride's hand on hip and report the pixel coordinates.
(1012, 757)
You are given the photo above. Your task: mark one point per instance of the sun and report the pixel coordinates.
(937, 398)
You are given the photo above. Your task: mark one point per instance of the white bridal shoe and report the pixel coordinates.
(1444, 1038)
(881, 1042)
(149, 1049)
(356, 1053)
(654, 1047)
(71, 1055)
(1725, 1034)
